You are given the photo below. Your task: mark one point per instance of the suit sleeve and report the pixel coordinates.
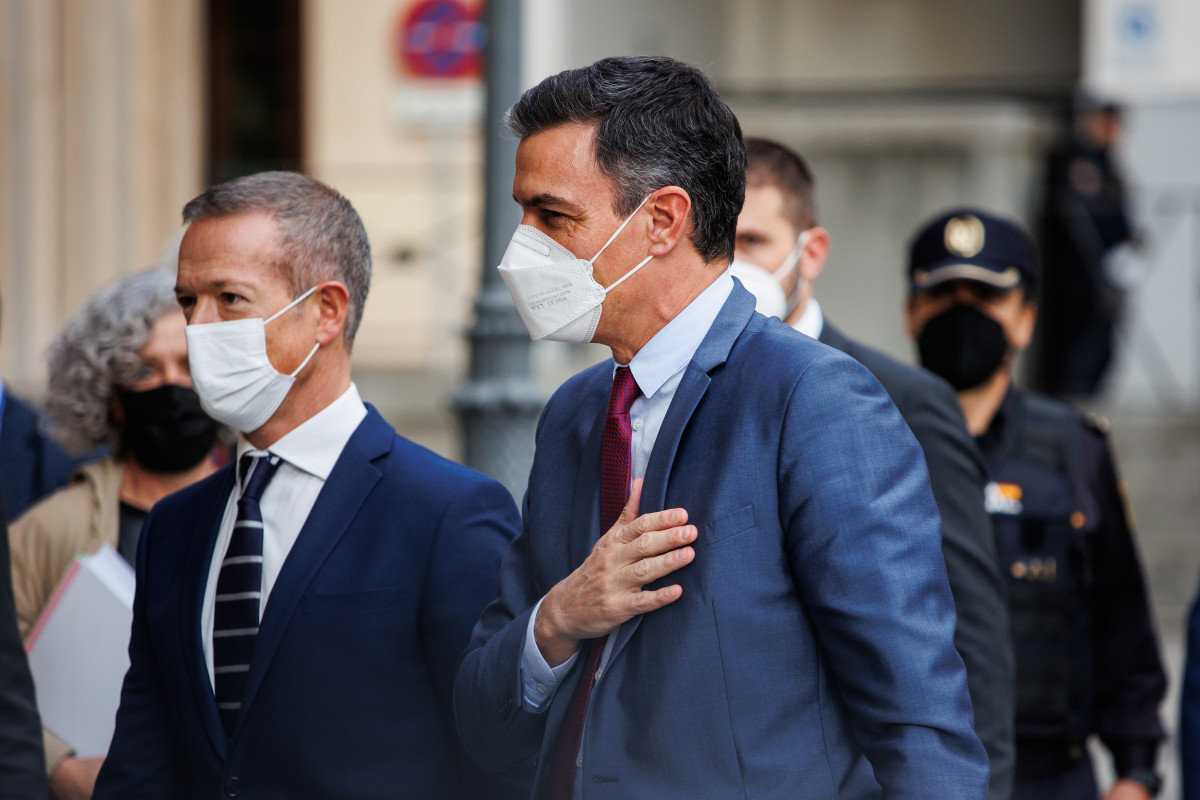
(22, 763)
(1189, 708)
(472, 538)
(1130, 682)
(957, 475)
(493, 723)
(145, 759)
(862, 534)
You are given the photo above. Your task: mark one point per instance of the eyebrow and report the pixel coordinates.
(217, 285)
(547, 199)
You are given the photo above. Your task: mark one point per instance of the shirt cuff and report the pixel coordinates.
(539, 679)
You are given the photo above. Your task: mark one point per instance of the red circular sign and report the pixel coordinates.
(441, 39)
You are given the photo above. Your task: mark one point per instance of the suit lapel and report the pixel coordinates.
(210, 510)
(351, 481)
(712, 353)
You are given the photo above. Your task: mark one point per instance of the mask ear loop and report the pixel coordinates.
(793, 260)
(617, 232)
(276, 316)
(290, 305)
(307, 358)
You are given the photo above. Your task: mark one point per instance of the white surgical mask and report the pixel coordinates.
(769, 299)
(555, 292)
(233, 375)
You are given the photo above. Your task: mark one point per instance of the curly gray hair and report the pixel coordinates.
(97, 355)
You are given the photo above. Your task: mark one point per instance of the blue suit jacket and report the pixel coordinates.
(31, 464)
(349, 688)
(812, 650)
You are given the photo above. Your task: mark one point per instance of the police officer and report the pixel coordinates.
(1086, 650)
(1084, 225)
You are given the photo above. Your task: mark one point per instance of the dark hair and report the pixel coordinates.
(659, 122)
(770, 163)
(322, 237)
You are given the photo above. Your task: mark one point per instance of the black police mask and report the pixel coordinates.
(962, 345)
(166, 430)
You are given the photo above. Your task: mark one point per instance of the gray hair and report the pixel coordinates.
(322, 237)
(97, 355)
(658, 122)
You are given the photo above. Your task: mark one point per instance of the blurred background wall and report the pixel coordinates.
(115, 112)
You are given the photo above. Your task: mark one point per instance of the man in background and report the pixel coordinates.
(1085, 232)
(22, 763)
(777, 232)
(1086, 649)
(32, 465)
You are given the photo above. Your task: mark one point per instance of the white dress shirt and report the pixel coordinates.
(308, 454)
(658, 368)
(812, 321)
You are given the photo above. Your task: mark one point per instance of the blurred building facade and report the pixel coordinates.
(115, 112)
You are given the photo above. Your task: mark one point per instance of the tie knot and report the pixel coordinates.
(624, 392)
(257, 471)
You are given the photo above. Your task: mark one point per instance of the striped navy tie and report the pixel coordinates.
(239, 591)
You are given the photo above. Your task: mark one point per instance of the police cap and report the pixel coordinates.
(970, 244)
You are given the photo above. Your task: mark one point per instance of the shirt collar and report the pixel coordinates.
(812, 321)
(315, 445)
(669, 350)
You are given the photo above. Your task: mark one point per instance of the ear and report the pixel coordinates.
(816, 250)
(333, 300)
(669, 209)
(1023, 334)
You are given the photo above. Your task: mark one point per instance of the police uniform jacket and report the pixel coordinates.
(1087, 652)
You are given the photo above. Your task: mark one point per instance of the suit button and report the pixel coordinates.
(233, 787)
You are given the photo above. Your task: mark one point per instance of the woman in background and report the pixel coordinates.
(118, 377)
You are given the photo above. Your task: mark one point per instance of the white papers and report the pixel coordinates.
(78, 652)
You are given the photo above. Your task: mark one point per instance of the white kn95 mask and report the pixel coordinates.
(555, 293)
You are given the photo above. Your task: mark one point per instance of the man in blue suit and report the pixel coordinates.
(299, 615)
(32, 465)
(777, 622)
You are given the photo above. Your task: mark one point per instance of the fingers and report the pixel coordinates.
(648, 570)
(652, 600)
(624, 533)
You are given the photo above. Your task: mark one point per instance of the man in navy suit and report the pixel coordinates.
(352, 573)
(777, 622)
(32, 465)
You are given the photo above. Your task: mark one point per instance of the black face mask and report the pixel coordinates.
(166, 430)
(962, 345)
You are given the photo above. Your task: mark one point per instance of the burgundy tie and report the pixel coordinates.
(616, 463)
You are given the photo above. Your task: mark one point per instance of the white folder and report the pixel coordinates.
(78, 651)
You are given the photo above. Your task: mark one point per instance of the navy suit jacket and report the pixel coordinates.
(349, 691)
(31, 465)
(811, 653)
(957, 474)
(1189, 708)
(22, 760)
